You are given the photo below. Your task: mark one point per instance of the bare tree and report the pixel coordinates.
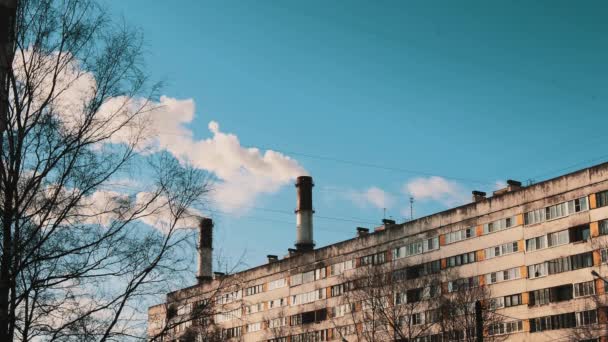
(278, 324)
(77, 255)
(394, 301)
(388, 302)
(592, 320)
(191, 314)
(457, 313)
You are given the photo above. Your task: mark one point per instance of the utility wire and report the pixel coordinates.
(377, 166)
(359, 163)
(291, 213)
(255, 218)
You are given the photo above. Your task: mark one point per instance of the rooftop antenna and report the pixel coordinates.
(411, 207)
(384, 215)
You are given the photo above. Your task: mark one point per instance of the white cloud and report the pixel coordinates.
(373, 196)
(243, 173)
(437, 189)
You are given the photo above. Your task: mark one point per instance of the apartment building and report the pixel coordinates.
(538, 251)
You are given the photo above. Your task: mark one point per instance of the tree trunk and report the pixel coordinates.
(8, 10)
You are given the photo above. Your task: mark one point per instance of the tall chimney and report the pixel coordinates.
(205, 250)
(304, 241)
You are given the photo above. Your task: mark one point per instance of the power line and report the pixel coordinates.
(376, 166)
(291, 213)
(358, 163)
(255, 218)
(593, 160)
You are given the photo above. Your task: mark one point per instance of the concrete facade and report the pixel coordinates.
(508, 212)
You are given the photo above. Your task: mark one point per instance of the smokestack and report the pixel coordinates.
(304, 241)
(205, 251)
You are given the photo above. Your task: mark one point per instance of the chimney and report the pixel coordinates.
(205, 251)
(478, 196)
(304, 237)
(513, 185)
(272, 258)
(362, 231)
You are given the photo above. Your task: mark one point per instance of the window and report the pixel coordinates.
(551, 295)
(277, 284)
(232, 332)
(307, 277)
(602, 199)
(539, 242)
(460, 235)
(503, 249)
(538, 270)
(276, 303)
(296, 279)
(312, 336)
(558, 238)
(603, 225)
(561, 321)
(584, 289)
(580, 233)
(505, 328)
(342, 310)
(417, 271)
(549, 240)
(417, 318)
(463, 284)
(570, 263)
(345, 330)
(586, 318)
(228, 315)
(251, 309)
(373, 259)
(497, 303)
(341, 267)
(228, 297)
(556, 211)
(497, 277)
(461, 259)
(535, 216)
(499, 225)
(540, 297)
(417, 247)
(512, 300)
(253, 327)
(254, 290)
(339, 289)
(308, 317)
(278, 339)
(308, 297)
(277, 322)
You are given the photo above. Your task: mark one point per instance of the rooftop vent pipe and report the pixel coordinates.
(272, 258)
(362, 231)
(304, 232)
(513, 185)
(478, 196)
(205, 250)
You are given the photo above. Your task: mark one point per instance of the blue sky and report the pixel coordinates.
(473, 92)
